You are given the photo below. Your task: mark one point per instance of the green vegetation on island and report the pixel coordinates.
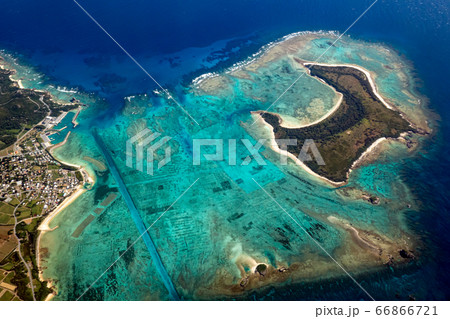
(21, 109)
(357, 123)
(32, 184)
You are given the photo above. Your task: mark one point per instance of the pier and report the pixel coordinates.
(74, 119)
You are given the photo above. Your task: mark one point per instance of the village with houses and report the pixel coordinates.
(32, 183)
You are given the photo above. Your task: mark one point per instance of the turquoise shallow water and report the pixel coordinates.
(225, 224)
(137, 220)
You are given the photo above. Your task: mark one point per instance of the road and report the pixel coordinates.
(20, 252)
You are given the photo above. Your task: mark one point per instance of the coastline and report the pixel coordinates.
(371, 79)
(360, 159)
(359, 68)
(291, 45)
(87, 178)
(236, 67)
(44, 227)
(274, 146)
(370, 149)
(284, 123)
(19, 82)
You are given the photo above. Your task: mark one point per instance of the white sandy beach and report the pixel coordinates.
(287, 124)
(361, 159)
(44, 227)
(366, 72)
(274, 146)
(19, 82)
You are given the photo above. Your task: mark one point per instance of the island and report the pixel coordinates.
(360, 119)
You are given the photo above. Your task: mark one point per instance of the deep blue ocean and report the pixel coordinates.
(170, 37)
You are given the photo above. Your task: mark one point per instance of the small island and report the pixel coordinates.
(359, 120)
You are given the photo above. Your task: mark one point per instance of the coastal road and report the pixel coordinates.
(20, 252)
(20, 139)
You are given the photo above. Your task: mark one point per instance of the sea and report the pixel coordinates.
(56, 45)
